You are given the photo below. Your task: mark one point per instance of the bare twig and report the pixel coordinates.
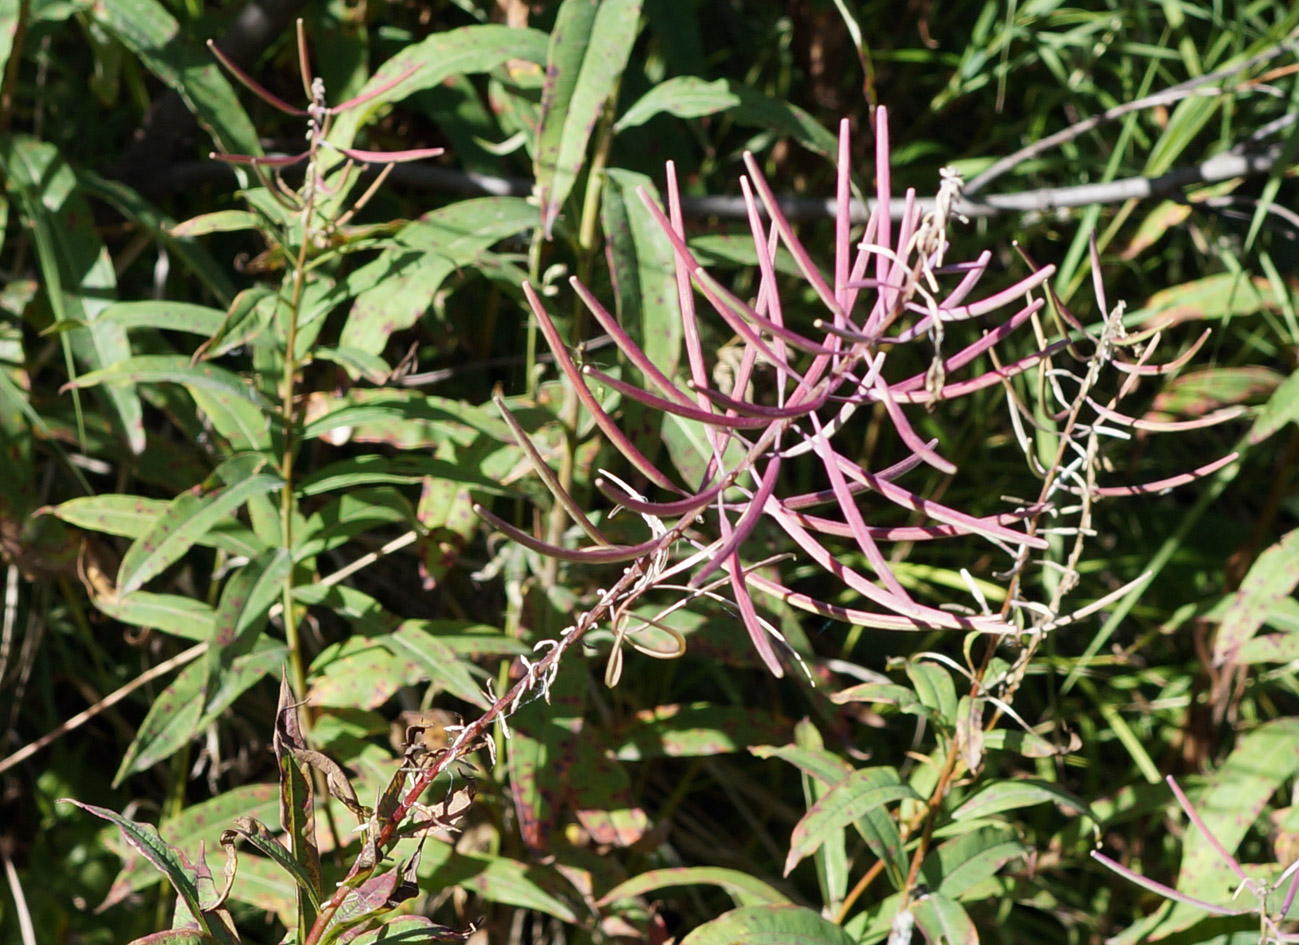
(798, 209)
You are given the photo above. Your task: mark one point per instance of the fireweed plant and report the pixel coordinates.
(773, 412)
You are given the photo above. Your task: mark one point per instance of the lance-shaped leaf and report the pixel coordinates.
(297, 805)
(589, 46)
(253, 832)
(852, 798)
(180, 711)
(745, 889)
(777, 922)
(1270, 581)
(245, 601)
(175, 369)
(189, 517)
(470, 49)
(183, 876)
(76, 270)
(147, 29)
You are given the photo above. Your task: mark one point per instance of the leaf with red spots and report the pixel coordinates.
(396, 289)
(1270, 582)
(601, 795)
(241, 614)
(438, 661)
(171, 613)
(542, 751)
(1262, 761)
(184, 878)
(361, 674)
(1224, 295)
(297, 801)
(190, 516)
(589, 47)
(201, 824)
(699, 729)
(133, 516)
(177, 714)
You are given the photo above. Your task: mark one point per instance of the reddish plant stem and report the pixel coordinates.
(469, 738)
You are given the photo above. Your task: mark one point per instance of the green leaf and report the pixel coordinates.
(180, 616)
(403, 468)
(876, 827)
(878, 694)
(1261, 762)
(1281, 408)
(942, 920)
(501, 880)
(1223, 295)
(219, 221)
(241, 423)
(212, 275)
(1012, 795)
(469, 640)
(175, 369)
(958, 866)
(409, 930)
(9, 17)
(642, 267)
(825, 766)
(361, 673)
(601, 794)
(359, 365)
(175, 937)
(253, 832)
(541, 754)
(368, 616)
(172, 316)
(743, 888)
(777, 924)
(831, 858)
(404, 278)
(404, 419)
(247, 321)
(1271, 579)
(438, 661)
(725, 250)
(200, 823)
(266, 888)
(470, 49)
(187, 518)
(692, 97)
(78, 274)
(845, 802)
(679, 731)
(177, 714)
(133, 516)
(589, 46)
(935, 689)
(148, 30)
(241, 613)
(168, 860)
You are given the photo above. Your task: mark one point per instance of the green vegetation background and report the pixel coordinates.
(100, 167)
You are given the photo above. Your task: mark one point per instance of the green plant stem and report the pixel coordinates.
(297, 671)
(570, 415)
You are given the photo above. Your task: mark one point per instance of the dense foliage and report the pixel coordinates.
(632, 470)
